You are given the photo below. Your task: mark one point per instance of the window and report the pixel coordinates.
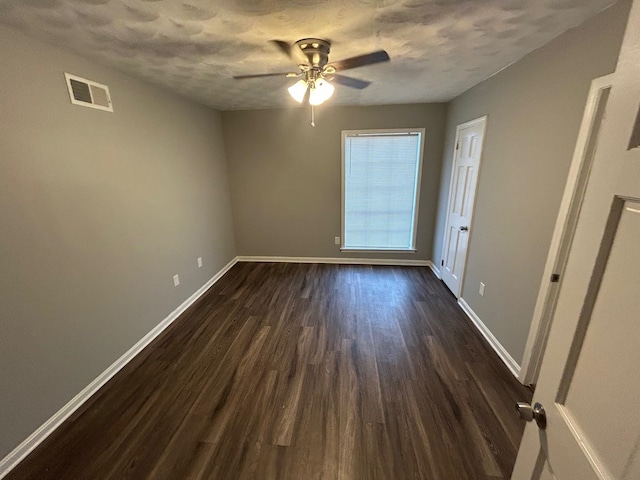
(380, 188)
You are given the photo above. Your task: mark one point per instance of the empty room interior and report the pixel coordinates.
(224, 258)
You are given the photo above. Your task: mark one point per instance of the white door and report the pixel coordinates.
(590, 377)
(462, 193)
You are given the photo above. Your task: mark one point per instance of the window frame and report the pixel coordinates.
(382, 132)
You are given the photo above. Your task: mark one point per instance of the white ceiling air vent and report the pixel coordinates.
(87, 93)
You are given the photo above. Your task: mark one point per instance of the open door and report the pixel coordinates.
(586, 427)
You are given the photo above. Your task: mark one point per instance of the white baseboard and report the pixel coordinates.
(493, 341)
(47, 428)
(345, 261)
(434, 269)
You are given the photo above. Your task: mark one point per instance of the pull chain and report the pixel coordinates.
(313, 116)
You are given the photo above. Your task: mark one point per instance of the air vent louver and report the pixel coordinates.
(88, 93)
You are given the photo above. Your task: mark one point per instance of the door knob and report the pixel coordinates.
(528, 413)
(464, 229)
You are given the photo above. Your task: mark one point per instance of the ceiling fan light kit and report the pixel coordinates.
(298, 90)
(311, 56)
(319, 91)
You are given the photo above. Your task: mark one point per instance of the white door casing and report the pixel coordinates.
(564, 230)
(462, 193)
(589, 379)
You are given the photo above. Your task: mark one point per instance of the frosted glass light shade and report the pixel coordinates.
(298, 90)
(322, 92)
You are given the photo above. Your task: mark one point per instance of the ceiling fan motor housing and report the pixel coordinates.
(316, 51)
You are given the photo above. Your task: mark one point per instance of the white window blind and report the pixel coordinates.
(380, 189)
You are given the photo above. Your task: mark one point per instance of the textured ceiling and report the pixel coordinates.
(438, 48)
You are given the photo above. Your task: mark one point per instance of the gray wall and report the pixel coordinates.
(534, 108)
(285, 176)
(97, 211)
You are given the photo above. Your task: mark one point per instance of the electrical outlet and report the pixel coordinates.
(199, 262)
(481, 291)
(336, 240)
(176, 280)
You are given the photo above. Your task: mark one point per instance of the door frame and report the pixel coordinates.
(562, 237)
(460, 127)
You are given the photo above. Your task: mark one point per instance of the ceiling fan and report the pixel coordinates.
(311, 55)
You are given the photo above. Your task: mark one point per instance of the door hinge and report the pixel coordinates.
(442, 263)
(457, 145)
(555, 278)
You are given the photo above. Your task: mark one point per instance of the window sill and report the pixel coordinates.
(378, 250)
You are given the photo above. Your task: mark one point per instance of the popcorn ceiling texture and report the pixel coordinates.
(438, 48)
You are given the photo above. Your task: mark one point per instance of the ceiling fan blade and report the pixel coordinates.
(350, 81)
(260, 75)
(361, 60)
(294, 52)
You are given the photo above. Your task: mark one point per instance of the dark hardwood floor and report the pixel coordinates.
(301, 372)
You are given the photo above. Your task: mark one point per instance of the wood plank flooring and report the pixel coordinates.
(300, 372)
